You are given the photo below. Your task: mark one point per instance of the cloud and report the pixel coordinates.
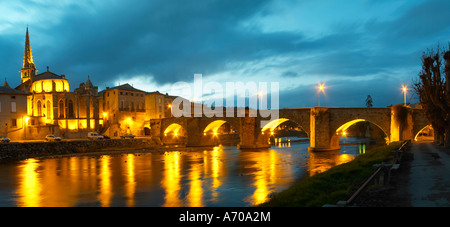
(153, 44)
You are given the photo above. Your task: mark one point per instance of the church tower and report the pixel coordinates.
(29, 69)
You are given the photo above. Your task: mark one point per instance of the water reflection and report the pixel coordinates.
(171, 180)
(29, 185)
(223, 176)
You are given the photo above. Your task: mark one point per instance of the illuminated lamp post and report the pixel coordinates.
(321, 88)
(405, 89)
(170, 109)
(260, 94)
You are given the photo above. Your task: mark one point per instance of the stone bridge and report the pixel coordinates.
(323, 125)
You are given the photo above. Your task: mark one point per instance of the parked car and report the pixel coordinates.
(94, 136)
(4, 139)
(127, 136)
(49, 138)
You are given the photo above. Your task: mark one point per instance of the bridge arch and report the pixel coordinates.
(272, 125)
(342, 131)
(427, 128)
(220, 131)
(269, 134)
(174, 134)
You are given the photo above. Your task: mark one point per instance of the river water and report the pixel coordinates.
(222, 176)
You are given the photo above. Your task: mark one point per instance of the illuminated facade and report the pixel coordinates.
(123, 110)
(47, 106)
(52, 108)
(158, 105)
(13, 112)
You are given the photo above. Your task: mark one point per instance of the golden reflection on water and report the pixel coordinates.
(171, 180)
(130, 187)
(105, 182)
(29, 185)
(322, 161)
(178, 179)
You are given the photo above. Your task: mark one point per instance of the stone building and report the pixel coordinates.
(158, 105)
(13, 112)
(52, 108)
(45, 105)
(123, 110)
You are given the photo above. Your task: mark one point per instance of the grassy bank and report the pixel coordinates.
(338, 183)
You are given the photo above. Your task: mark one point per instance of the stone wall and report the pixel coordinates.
(11, 151)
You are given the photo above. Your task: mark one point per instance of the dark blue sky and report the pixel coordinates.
(357, 48)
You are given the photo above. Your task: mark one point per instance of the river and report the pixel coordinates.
(222, 176)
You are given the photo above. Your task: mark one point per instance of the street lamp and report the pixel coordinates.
(321, 88)
(260, 94)
(405, 89)
(170, 109)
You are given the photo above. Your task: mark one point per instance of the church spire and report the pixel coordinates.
(28, 57)
(29, 69)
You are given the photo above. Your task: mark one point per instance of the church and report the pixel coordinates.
(52, 108)
(43, 104)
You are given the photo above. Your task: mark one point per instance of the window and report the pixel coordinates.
(13, 123)
(61, 109)
(13, 97)
(39, 108)
(13, 107)
(71, 114)
(49, 109)
(159, 100)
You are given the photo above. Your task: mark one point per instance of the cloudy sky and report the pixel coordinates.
(357, 48)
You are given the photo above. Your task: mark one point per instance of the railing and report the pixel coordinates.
(381, 170)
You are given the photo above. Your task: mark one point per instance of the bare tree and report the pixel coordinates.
(433, 89)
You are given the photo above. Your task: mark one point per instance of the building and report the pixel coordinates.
(123, 111)
(158, 105)
(43, 104)
(13, 112)
(52, 108)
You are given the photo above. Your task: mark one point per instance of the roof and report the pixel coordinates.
(47, 75)
(126, 87)
(9, 90)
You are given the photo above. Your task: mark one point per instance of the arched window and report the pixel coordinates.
(49, 109)
(71, 115)
(61, 108)
(39, 108)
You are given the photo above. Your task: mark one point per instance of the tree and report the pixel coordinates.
(369, 101)
(433, 89)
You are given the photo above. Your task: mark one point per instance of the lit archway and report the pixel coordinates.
(174, 129)
(214, 126)
(220, 132)
(343, 131)
(426, 133)
(270, 127)
(281, 132)
(174, 134)
(273, 125)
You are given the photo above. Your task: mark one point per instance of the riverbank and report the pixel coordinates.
(335, 184)
(19, 151)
